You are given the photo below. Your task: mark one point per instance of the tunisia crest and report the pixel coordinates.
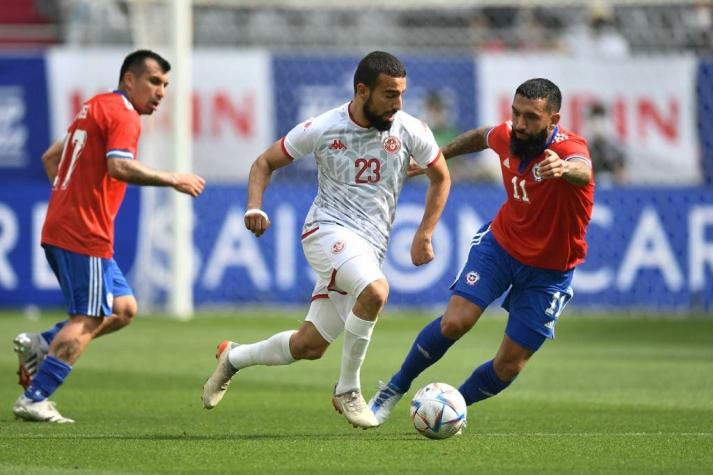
(392, 144)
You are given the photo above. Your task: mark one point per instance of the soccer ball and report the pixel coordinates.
(438, 411)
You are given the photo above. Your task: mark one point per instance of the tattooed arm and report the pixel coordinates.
(472, 141)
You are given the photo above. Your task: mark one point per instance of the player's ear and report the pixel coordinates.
(362, 90)
(554, 119)
(128, 80)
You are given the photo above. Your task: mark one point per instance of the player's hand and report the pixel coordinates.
(421, 249)
(189, 184)
(414, 169)
(256, 221)
(552, 166)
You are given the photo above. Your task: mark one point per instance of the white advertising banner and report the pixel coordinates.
(233, 118)
(650, 104)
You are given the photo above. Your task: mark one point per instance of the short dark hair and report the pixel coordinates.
(540, 88)
(136, 62)
(375, 63)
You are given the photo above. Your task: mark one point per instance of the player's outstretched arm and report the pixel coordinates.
(256, 220)
(472, 141)
(436, 197)
(134, 172)
(51, 158)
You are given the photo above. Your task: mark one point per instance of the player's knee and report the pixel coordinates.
(508, 369)
(125, 311)
(454, 327)
(374, 296)
(303, 348)
(308, 352)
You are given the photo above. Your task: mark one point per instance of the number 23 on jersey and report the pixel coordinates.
(368, 170)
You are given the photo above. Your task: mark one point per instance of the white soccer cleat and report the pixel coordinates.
(30, 354)
(384, 401)
(41, 411)
(352, 405)
(215, 387)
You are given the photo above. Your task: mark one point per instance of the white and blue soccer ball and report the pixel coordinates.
(438, 411)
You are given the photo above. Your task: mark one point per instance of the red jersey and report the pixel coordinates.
(85, 198)
(543, 222)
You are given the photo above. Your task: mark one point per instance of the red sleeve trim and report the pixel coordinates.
(435, 159)
(319, 296)
(487, 137)
(284, 149)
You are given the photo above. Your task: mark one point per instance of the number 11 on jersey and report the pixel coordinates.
(521, 193)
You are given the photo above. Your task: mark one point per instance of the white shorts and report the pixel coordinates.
(345, 265)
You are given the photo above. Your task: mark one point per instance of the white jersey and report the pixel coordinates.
(360, 170)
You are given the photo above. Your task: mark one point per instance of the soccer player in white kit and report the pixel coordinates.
(362, 150)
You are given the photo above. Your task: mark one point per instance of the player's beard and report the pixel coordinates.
(530, 146)
(376, 121)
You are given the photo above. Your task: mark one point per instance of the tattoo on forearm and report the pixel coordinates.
(468, 142)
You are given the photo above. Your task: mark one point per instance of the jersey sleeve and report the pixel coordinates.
(123, 130)
(574, 148)
(424, 148)
(301, 140)
(498, 138)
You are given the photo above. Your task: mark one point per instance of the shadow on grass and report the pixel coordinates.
(214, 437)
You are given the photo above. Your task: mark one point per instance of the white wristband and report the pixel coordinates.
(256, 211)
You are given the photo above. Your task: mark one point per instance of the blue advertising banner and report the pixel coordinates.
(25, 276)
(648, 248)
(704, 90)
(24, 115)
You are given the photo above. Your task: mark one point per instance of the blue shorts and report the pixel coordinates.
(536, 296)
(89, 284)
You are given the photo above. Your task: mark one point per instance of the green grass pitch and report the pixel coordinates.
(609, 395)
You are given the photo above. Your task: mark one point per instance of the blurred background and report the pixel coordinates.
(637, 81)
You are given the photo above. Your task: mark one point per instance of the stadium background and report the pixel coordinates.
(260, 67)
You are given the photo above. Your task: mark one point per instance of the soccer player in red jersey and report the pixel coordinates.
(89, 171)
(529, 250)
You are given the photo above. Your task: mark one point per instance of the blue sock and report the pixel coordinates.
(52, 332)
(482, 384)
(49, 377)
(428, 348)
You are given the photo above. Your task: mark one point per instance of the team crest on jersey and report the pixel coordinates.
(560, 137)
(392, 144)
(536, 172)
(472, 277)
(307, 124)
(338, 247)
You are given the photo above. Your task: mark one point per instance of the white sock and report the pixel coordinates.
(357, 334)
(271, 352)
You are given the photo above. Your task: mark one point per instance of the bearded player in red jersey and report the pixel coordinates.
(529, 250)
(89, 171)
